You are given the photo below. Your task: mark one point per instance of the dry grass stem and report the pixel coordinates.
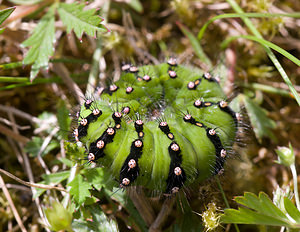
(12, 205)
(142, 204)
(63, 72)
(8, 132)
(31, 184)
(163, 214)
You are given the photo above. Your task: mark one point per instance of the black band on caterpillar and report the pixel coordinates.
(96, 148)
(164, 127)
(223, 105)
(176, 177)
(220, 151)
(130, 169)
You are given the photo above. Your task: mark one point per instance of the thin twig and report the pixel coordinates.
(63, 72)
(9, 123)
(28, 170)
(8, 132)
(295, 180)
(44, 146)
(31, 184)
(17, 186)
(12, 205)
(163, 214)
(20, 113)
(142, 204)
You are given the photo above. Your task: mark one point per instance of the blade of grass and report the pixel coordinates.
(265, 43)
(24, 81)
(195, 44)
(268, 89)
(5, 13)
(243, 15)
(271, 55)
(59, 60)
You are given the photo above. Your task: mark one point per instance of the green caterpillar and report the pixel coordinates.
(160, 126)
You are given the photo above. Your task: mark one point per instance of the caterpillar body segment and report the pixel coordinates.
(160, 126)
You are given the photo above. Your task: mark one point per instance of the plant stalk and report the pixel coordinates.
(295, 180)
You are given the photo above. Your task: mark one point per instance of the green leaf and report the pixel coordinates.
(5, 13)
(100, 220)
(262, 125)
(195, 44)
(262, 204)
(41, 42)
(33, 147)
(79, 189)
(291, 209)
(64, 119)
(259, 210)
(79, 225)
(53, 178)
(99, 177)
(136, 5)
(79, 20)
(66, 162)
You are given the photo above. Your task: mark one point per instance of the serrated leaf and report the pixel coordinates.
(100, 220)
(259, 210)
(262, 204)
(99, 177)
(247, 216)
(76, 18)
(41, 42)
(79, 189)
(291, 209)
(262, 125)
(79, 225)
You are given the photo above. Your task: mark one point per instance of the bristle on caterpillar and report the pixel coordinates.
(159, 126)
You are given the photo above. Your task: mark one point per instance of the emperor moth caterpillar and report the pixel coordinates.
(160, 126)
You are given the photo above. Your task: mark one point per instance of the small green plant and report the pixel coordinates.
(260, 210)
(42, 40)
